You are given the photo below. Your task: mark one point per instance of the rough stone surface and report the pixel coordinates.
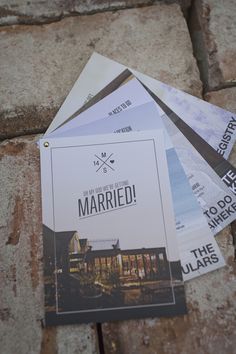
(35, 11)
(225, 98)
(21, 299)
(39, 64)
(208, 328)
(213, 29)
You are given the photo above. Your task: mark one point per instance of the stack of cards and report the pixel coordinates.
(132, 196)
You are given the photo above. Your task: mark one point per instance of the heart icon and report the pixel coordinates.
(112, 161)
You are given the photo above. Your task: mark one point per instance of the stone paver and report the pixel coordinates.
(213, 28)
(21, 298)
(35, 11)
(225, 98)
(209, 327)
(39, 64)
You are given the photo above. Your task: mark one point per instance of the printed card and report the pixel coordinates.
(215, 197)
(214, 124)
(223, 168)
(110, 247)
(193, 234)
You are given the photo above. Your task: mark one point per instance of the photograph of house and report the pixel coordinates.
(104, 256)
(84, 275)
(99, 274)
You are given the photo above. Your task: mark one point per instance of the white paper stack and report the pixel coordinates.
(132, 195)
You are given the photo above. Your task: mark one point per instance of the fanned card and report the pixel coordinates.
(110, 247)
(214, 124)
(193, 233)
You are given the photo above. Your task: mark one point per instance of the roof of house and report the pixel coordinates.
(104, 244)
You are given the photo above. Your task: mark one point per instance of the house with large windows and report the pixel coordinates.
(104, 258)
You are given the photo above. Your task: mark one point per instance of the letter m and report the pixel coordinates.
(104, 154)
(83, 210)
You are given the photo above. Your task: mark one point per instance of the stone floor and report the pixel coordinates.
(43, 48)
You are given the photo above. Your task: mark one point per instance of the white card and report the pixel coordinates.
(192, 229)
(109, 233)
(217, 201)
(215, 125)
(127, 96)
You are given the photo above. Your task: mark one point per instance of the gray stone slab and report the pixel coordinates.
(21, 264)
(225, 98)
(213, 28)
(39, 64)
(35, 11)
(209, 327)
